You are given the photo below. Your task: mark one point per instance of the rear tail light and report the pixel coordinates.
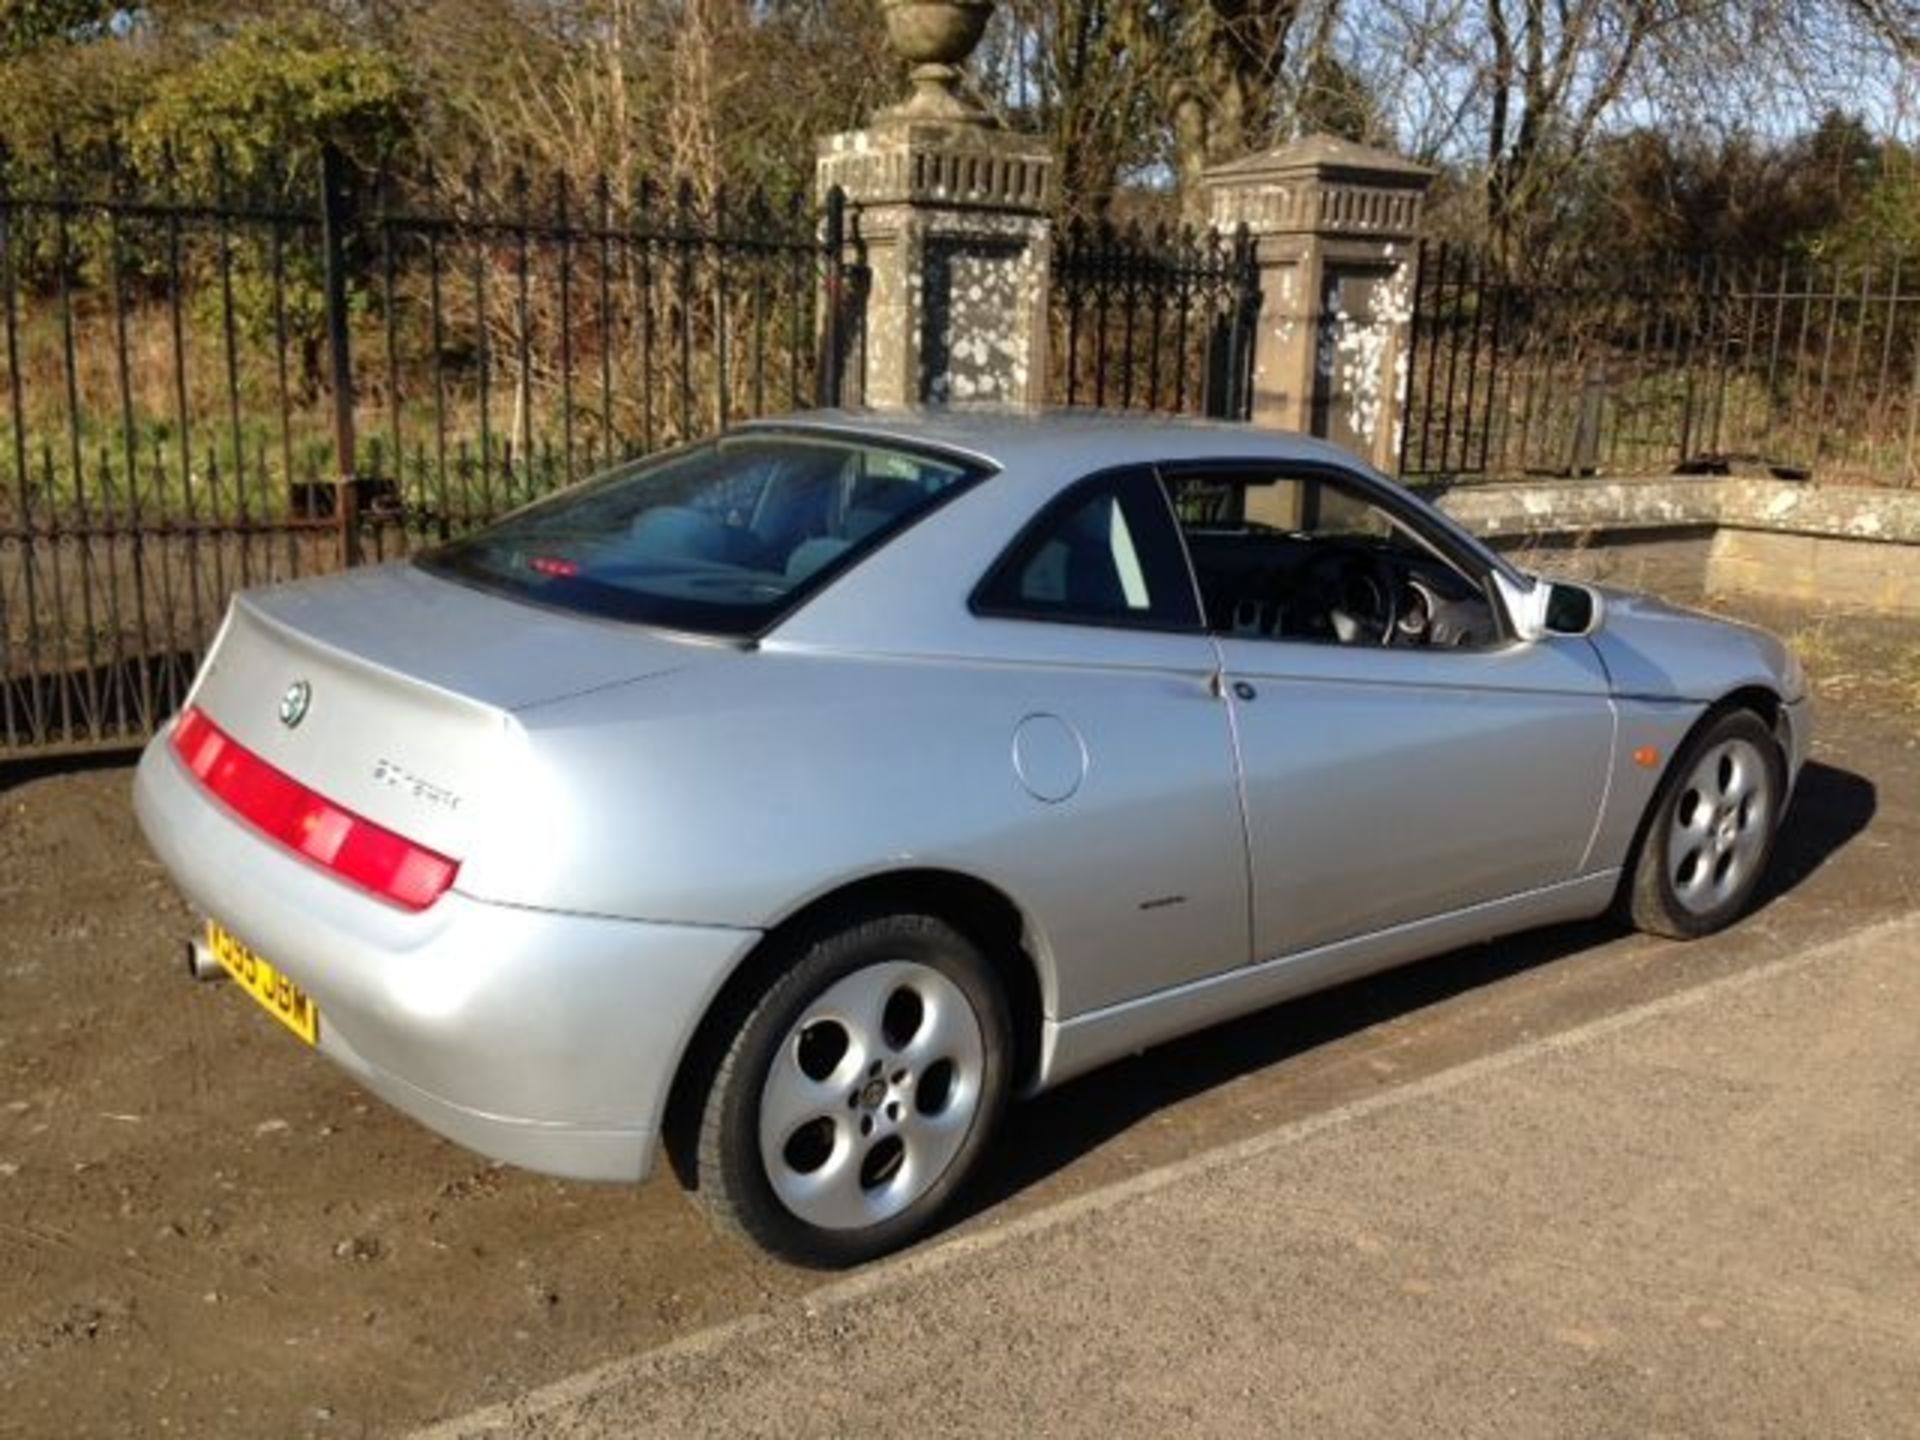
(351, 846)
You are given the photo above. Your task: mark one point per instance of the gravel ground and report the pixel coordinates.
(206, 1230)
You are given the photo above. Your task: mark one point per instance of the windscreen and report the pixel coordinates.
(721, 538)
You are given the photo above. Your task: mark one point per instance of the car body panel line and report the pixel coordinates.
(550, 1147)
(1239, 781)
(983, 658)
(1797, 716)
(1087, 1041)
(905, 870)
(1606, 787)
(1363, 764)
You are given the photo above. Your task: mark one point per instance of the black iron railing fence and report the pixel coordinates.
(204, 387)
(1154, 320)
(205, 384)
(1697, 360)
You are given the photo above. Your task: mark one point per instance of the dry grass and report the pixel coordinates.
(633, 370)
(1820, 651)
(1861, 662)
(1905, 680)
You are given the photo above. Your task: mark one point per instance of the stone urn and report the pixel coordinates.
(936, 37)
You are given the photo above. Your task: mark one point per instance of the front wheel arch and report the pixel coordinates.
(1760, 701)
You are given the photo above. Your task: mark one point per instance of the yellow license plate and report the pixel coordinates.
(282, 999)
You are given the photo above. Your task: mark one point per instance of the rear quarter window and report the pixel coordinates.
(1104, 553)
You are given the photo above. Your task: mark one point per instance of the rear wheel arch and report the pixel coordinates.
(982, 912)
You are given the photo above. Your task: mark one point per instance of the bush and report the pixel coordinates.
(262, 103)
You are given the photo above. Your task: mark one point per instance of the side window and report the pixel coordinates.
(1105, 553)
(1303, 557)
(1287, 503)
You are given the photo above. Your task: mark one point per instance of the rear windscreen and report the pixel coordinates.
(722, 538)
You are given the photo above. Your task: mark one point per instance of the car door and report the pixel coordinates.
(1384, 784)
(1135, 859)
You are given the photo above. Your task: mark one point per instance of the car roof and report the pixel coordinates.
(1041, 451)
(1024, 439)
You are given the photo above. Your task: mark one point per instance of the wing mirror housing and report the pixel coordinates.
(1540, 607)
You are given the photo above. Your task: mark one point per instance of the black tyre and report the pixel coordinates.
(857, 1091)
(1711, 832)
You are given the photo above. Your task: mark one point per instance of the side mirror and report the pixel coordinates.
(1572, 609)
(1541, 607)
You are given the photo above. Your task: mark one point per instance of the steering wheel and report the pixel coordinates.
(1336, 577)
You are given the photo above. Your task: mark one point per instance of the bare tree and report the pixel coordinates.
(1517, 93)
(1070, 70)
(1223, 102)
(1130, 87)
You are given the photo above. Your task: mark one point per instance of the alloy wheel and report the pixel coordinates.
(1718, 833)
(871, 1094)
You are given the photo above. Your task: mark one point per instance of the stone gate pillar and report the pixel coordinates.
(1334, 225)
(951, 217)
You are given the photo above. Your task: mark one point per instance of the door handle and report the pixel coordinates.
(1217, 687)
(1245, 691)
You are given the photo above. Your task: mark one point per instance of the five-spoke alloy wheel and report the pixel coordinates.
(1712, 831)
(857, 1090)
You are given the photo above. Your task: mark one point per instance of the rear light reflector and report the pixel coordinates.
(272, 801)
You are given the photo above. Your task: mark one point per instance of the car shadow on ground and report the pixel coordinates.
(1830, 806)
(17, 770)
(1044, 1135)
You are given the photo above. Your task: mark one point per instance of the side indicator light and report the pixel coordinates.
(370, 856)
(1646, 757)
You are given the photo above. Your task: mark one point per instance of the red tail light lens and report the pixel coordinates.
(352, 847)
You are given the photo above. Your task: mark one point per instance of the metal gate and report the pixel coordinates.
(1160, 320)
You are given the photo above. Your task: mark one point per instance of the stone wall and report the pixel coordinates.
(1673, 564)
(1686, 536)
(1853, 574)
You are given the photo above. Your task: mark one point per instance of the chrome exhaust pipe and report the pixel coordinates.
(200, 962)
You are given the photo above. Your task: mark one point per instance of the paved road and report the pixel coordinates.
(1696, 1216)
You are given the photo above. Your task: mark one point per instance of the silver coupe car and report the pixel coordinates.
(791, 801)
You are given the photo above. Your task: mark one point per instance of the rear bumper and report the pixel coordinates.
(543, 1039)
